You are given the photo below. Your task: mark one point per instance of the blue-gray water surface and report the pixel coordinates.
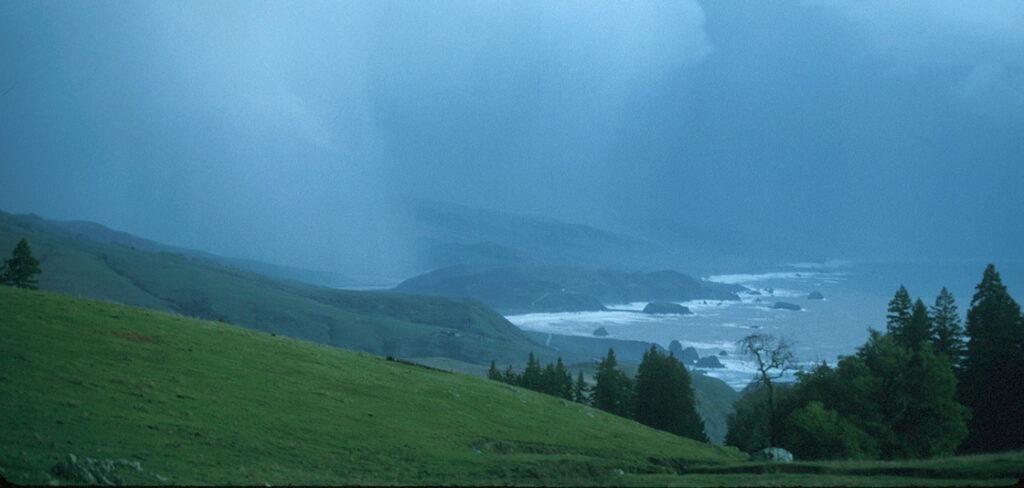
(856, 296)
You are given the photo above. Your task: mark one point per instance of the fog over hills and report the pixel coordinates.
(296, 133)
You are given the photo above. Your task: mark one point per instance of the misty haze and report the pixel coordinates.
(546, 194)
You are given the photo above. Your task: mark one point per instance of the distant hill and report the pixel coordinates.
(450, 234)
(539, 288)
(94, 232)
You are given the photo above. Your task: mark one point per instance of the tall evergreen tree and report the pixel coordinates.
(493, 373)
(992, 382)
(613, 392)
(533, 375)
(664, 397)
(21, 269)
(899, 310)
(948, 334)
(580, 390)
(917, 330)
(561, 381)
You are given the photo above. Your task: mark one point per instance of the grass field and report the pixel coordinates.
(198, 402)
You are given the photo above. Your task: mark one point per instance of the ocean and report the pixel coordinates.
(856, 295)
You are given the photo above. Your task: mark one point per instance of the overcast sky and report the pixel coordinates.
(290, 131)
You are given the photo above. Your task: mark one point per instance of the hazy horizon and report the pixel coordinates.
(296, 133)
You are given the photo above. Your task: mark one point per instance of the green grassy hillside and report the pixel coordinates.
(197, 402)
(379, 323)
(91, 261)
(200, 402)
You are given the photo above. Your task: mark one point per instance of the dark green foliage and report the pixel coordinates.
(532, 376)
(993, 374)
(899, 310)
(664, 397)
(552, 379)
(918, 329)
(748, 424)
(19, 271)
(580, 390)
(948, 334)
(613, 392)
(815, 432)
(558, 381)
(894, 399)
(903, 399)
(917, 414)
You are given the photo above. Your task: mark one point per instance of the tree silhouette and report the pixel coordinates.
(992, 382)
(20, 269)
(773, 356)
(948, 334)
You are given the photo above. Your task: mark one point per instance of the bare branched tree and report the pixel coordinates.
(773, 356)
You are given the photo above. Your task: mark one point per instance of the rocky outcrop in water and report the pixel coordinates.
(664, 308)
(787, 306)
(709, 362)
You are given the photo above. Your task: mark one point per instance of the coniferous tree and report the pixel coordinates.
(580, 390)
(493, 373)
(992, 382)
(903, 400)
(614, 390)
(19, 271)
(664, 397)
(533, 375)
(913, 392)
(917, 330)
(561, 382)
(948, 334)
(899, 310)
(509, 376)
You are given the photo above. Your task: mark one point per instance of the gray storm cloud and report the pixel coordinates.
(293, 132)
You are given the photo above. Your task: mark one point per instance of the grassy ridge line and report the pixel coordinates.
(208, 403)
(379, 323)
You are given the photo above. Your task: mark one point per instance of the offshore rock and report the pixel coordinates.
(689, 356)
(664, 308)
(709, 362)
(787, 306)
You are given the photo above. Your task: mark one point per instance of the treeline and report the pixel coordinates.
(552, 379)
(927, 386)
(660, 396)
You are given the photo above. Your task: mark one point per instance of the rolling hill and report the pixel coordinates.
(88, 260)
(198, 402)
(160, 399)
(142, 274)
